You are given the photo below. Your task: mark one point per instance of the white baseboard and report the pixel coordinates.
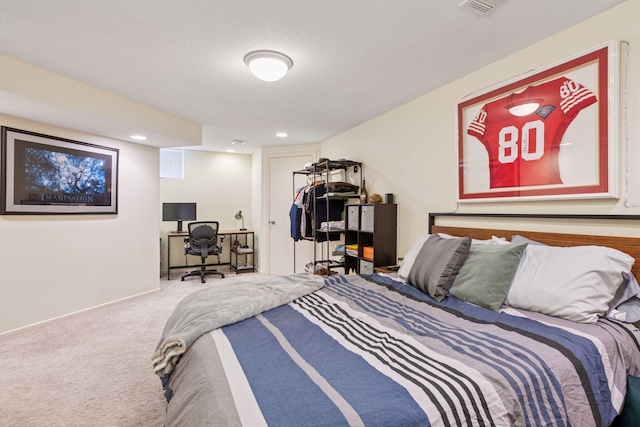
(75, 313)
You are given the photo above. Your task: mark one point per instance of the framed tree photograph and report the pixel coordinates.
(43, 174)
(550, 134)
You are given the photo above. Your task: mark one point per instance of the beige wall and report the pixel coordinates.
(220, 184)
(411, 150)
(53, 265)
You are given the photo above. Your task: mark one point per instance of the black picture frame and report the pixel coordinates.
(44, 175)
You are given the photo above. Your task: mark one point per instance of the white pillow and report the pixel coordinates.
(574, 283)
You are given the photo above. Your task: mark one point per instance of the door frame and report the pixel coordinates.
(267, 190)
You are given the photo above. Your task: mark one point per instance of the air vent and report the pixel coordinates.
(481, 7)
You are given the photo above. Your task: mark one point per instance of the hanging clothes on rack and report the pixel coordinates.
(309, 210)
(317, 207)
(300, 217)
(295, 214)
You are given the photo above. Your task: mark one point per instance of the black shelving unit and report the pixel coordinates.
(241, 252)
(373, 227)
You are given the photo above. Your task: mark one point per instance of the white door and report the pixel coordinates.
(281, 193)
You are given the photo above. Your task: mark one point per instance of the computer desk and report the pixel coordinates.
(231, 236)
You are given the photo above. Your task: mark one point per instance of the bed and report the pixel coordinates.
(397, 350)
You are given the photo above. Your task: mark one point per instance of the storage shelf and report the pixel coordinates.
(336, 197)
(242, 259)
(321, 171)
(371, 226)
(327, 166)
(243, 267)
(242, 251)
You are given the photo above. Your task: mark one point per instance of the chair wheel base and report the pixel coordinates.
(202, 274)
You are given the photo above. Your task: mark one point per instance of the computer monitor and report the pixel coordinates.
(179, 212)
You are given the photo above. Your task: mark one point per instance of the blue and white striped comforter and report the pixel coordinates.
(359, 352)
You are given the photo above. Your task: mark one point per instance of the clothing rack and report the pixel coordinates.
(323, 204)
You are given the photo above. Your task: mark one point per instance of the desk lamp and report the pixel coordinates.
(239, 216)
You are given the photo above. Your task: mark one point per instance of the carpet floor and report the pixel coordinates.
(93, 368)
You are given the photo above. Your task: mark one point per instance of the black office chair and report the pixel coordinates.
(203, 241)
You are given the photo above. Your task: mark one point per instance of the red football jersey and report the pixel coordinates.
(523, 150)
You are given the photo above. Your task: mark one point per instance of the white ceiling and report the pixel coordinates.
(353, 59)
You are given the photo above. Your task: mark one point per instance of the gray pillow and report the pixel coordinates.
(437, 264)
(486, 275)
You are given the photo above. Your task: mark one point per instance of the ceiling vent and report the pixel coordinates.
(481, 7)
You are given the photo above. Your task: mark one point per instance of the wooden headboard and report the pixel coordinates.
(628, 245)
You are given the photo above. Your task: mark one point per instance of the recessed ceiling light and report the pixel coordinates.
(229, 150)
(282, 134)
(238, 142)
(268, 65)
(138, 137)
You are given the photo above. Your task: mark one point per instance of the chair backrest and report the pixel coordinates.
(203, 235)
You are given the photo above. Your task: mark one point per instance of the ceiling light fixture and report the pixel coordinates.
(268, 65)
(138, 137)
(525, 109)
(282, 134)
(238, 142)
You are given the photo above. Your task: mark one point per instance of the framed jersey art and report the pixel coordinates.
(550, 134)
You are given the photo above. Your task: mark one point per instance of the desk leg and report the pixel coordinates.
(168, 258)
